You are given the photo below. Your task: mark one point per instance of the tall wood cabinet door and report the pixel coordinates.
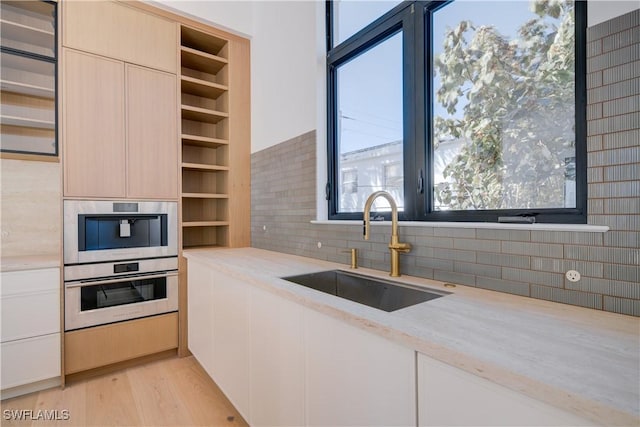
(152, 136)
(93, 126)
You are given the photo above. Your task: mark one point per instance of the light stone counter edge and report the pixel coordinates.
(31, 262)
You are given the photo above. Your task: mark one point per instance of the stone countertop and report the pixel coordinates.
(581, 360)
(31, 262)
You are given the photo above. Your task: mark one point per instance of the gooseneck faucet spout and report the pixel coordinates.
(394, 246)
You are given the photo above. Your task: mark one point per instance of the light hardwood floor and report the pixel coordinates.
(169, 392)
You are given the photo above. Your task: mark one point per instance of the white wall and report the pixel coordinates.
(284, 72)
(233, 16)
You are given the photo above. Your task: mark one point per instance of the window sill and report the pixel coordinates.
(585, 228)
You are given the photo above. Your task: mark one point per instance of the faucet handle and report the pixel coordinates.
(354, 256)
(400, 247)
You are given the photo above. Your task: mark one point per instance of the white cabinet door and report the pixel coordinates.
(200, 314)
(355, 378)
(29, 360)
(30, 303)
(231, 339)
(276, 361)
(30, 326)
(448, 396)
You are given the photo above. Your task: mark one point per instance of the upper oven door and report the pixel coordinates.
(98, 231)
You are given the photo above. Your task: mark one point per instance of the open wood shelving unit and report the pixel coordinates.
(204, 84)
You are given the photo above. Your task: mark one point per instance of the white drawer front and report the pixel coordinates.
(30, 303)
(17, 282)
(30, 360)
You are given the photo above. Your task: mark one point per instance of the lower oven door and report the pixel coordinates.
(91, 303)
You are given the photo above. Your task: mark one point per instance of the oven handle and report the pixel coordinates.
(81, 283)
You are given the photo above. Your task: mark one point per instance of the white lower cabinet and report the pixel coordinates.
(30, 360)
(355, 378)
(283, 364)
(230, 309)
(200, 313)
(218, 319)
(448, 396)
(30, 335)
(276, 361)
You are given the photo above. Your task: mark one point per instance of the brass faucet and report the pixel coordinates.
(395, 246)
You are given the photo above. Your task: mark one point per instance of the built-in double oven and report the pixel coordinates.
(121, 261)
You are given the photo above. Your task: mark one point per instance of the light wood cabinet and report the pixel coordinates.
(152, 145)
(116, 30)
(448, 396)
(28, 98)
(215, 147)
(120, 129)
(93, 126)
(107, 344)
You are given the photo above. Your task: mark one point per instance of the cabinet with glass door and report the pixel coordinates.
(28, 77)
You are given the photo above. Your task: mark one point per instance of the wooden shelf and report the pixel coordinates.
(203, 141)
(200, 41)
(205, 115)
(26, 122)
(27, 35)
(202, 88)
(201, 61)
(203, 167)
(27, 89)
(204, 196)
(205, 224)
(201, 246)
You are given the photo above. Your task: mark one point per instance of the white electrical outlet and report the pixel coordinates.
(572, 275)
(319, 245)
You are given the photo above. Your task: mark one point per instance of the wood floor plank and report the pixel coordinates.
(27, 402)
(110, 401)
(71, 399)
(155, 397)
(169, 392)
(206, 402)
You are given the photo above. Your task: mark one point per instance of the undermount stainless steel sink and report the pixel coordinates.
(377, 293)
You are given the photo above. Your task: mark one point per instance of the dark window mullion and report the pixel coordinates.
(411, 96)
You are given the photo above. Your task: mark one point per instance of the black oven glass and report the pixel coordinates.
(126, 292)
(96, 232)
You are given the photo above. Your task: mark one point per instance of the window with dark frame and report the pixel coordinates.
(481, 114)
